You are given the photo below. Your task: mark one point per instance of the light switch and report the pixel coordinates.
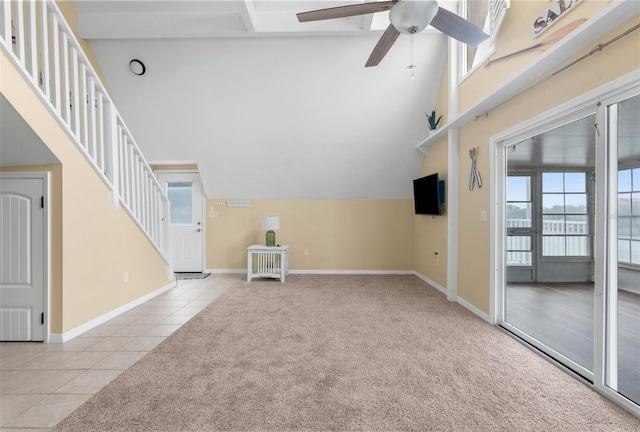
(483, 215)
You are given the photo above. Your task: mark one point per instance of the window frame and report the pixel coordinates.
(463, 70)
(529, 231)
(589, 204)
(630, 265)
(185, 185)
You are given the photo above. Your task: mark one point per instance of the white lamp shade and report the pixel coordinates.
(270, 223)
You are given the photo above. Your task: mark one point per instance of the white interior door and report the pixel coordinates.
(187, 229)
(22, 221)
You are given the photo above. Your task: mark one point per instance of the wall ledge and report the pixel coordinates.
(609, 18)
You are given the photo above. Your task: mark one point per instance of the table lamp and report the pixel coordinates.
(270, 223)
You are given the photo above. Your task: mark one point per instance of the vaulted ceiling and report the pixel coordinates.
(266, 106)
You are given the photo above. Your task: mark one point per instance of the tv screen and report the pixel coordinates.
(428, 195)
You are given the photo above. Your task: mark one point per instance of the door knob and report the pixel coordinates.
(198, 230)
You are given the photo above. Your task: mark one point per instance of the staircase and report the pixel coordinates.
(37, 38)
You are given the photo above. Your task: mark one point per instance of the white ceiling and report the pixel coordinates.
(291, 115)
(573, 145)
(98, 19)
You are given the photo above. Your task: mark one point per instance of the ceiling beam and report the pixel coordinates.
(248, 13)
(367, 20)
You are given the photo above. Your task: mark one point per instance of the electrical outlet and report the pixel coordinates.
(306, 251)
(126, 276)
(483, 215)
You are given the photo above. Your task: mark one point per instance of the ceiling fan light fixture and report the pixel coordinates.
(413, 16)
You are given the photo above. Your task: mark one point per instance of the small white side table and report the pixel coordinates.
(267, 261)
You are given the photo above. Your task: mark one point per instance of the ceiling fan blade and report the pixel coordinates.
(383, 46)
(345, 11)
(458, 28)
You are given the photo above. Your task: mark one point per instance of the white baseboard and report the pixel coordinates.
(347, 272)
(222, 271)
(459, 300)
(312, 271)
(436, 285)
(473, 309)
(83, 328)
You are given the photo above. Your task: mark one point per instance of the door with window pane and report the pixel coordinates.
(184, 191)
(548, 232)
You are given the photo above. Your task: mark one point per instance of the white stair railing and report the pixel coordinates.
(35, 35)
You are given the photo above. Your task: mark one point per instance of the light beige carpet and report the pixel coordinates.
(329, 353)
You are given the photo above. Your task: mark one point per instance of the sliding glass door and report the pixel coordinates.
(623, 299)
(549, 292)
(567, 239)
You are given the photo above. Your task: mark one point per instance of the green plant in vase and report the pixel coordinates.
(433, 122)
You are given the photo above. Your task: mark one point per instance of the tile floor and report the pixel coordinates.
(40, 384)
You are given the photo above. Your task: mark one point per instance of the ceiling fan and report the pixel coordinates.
(406, 16)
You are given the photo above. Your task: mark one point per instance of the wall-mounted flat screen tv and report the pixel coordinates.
(428, 195)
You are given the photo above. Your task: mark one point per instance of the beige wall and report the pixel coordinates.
(338, 234)
(188, 167)
(430, 238)
(515, 35)
(92, 245)
(474, 237)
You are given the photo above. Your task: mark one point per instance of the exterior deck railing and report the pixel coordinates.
(559, 238)
(35, 35)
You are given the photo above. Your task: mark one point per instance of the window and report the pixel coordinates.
(180, 196)
(629, 216)
(565, 223)
(487, 15)
(519, 221)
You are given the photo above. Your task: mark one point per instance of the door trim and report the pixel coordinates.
(44, 176)
(204, 208)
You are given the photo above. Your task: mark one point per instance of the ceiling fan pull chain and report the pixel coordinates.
(411, 66)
